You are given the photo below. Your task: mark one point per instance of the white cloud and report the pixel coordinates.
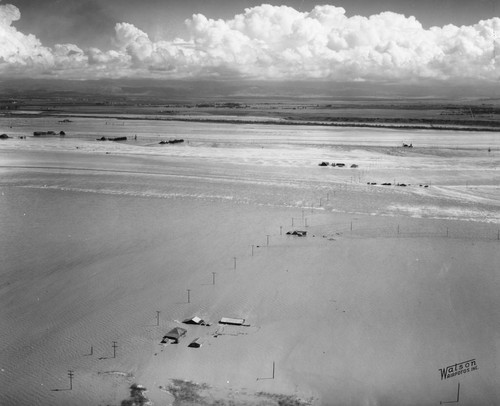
(19, 51)
(271, 42)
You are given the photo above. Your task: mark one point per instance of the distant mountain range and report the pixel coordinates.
(186, 90)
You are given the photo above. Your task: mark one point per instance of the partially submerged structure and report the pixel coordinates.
(232, 322)
(196, 343)
(176, 141)
(298, 233)
(111, 139)
(174, 335)
(196, 321)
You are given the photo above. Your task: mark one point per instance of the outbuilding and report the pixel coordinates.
(231, 321)
(175, 335)
(196, 343)
(197, 321)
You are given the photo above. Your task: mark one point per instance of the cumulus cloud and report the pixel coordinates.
(270, 42)
(19, 51)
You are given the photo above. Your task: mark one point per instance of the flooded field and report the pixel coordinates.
(398, 267)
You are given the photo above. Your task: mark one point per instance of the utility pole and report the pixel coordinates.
(189, 298)
(157, 317)
(114, 349)
(70, 374)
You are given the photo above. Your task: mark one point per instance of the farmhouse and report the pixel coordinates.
(175, 334)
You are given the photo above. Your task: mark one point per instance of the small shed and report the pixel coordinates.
(175, 334)
(197, 321)
(196, 343)
(231, 321)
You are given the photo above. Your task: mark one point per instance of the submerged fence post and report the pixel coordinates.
(70, 374)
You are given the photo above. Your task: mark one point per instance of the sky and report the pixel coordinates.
(345, 40)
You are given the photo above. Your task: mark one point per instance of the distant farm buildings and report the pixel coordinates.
(175, 141)
(336, 164)
(112, 139)
(298, 233)
(42, 133)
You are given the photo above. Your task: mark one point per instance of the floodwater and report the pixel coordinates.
(73, 205)
(260, 133)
